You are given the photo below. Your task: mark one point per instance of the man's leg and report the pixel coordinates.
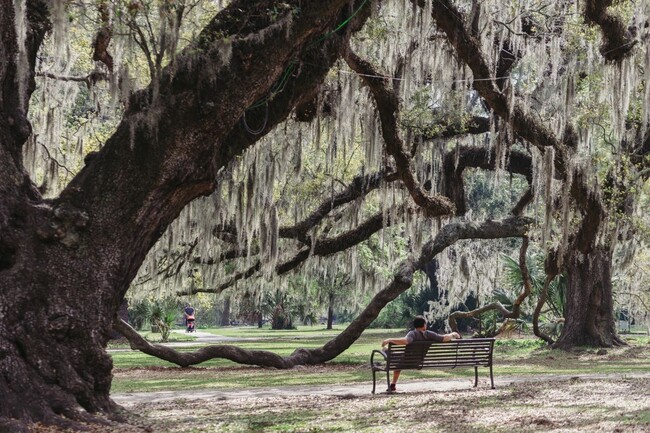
(393, 384)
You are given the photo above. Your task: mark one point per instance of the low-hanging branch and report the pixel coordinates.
(462, 157)
(402, 281)
(498, 306)
(387, 105)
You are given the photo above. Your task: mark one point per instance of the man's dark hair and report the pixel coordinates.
(419, 322)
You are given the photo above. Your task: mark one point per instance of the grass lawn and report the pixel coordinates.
(602, 403)
(137, 372)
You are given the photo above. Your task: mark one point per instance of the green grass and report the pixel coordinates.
(280, 342)
(525, 356)
(267, 332)
(152, 337)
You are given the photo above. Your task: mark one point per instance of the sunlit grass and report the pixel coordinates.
(137, 372)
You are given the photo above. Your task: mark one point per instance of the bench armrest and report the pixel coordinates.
(372, 356)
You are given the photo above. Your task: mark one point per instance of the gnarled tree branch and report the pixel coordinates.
(538, 309)
(402, 281)
(618, 41)
(387, 105)
(457, 160)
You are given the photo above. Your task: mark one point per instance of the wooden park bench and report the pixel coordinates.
(420, 355)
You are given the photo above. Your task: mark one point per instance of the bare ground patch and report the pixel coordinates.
(566, 406)
(598, 405)
(611, 402)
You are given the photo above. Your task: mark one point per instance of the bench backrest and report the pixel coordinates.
(429, 354)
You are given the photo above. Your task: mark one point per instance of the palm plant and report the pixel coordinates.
(140, 313)
(281, 308)
(163, 314)
(556, 296)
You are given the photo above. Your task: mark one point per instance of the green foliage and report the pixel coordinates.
(139, 313)
(490, 198)
(490, 322)
(523, 343)
(163, 315)
(513, 281)
(394, 315)
(400, 312)
(282, 307)
(552, 328)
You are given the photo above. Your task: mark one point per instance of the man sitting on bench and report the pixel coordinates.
(418, 334)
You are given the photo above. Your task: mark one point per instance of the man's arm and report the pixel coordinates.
(394, 341)
(450, 337)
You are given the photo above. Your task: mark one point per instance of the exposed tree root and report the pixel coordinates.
(402, 281)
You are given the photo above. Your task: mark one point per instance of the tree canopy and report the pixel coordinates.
(219, 146)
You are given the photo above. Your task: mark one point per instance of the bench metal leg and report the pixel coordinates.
(373, 380)
(387, 379)
(491, 377)
(475, 376)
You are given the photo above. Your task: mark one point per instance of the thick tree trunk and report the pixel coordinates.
(66, 263)
(589, 306)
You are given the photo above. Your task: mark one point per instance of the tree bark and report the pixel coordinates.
(589, 307)
(225, 317)
(66, 263)
(330, 311)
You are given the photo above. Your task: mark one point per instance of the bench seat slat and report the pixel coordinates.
(420, 355)
(415, 364)
(437, 358)
(450, 349)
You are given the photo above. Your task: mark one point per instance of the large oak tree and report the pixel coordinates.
(67, 262)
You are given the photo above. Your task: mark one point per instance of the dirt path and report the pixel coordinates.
(589, 403)
(201, 338)
(353, 390)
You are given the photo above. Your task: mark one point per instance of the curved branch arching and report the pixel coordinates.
(402, 281)
(538, 309)
(618, 42)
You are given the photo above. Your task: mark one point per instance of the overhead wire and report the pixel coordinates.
(280, 85)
